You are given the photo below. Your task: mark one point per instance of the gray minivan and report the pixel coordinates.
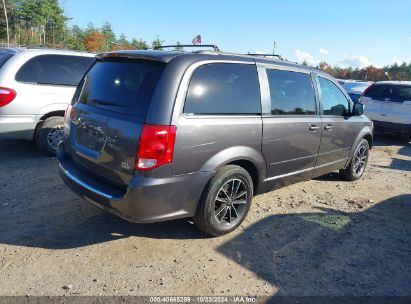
(154, 135)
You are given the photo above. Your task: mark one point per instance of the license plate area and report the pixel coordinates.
(90, 136)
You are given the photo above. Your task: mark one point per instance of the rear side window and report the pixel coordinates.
(400, 93)
(224, 88)
(333, 100)
(4, 58)
(389, 92)
(378, 92)
(291, 93)
(54, 69)
(122, 86)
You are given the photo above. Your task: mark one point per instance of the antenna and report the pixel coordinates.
(274, 47)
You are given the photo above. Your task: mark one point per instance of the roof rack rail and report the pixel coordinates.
(215, 47)
(267, 55)
(44, 47)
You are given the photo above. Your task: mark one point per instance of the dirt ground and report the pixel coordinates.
(321, 237)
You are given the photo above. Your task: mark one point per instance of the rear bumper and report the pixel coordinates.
(18, 126)
(145, 200)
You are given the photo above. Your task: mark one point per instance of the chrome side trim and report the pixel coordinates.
(288, 174)
(289, 160)
(305, 170)
(83, 184)
(331, 163)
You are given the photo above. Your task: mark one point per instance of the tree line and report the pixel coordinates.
(389, 72)
(43, 23)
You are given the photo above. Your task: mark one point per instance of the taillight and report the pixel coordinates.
(156, 147)
(6, 96)
(68, 115)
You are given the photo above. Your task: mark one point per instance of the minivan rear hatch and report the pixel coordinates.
(109, 109)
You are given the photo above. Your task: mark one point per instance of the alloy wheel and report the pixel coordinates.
(230, 203)
(360, 159)
(55, 136)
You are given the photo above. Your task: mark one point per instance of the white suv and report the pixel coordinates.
(388, 105)
(36, 85)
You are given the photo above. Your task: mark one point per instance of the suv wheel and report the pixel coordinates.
(225, 201)
(358, 163)
(49, 134)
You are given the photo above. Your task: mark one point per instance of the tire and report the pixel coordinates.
(49, 134)
(354, 170)
(225, 201)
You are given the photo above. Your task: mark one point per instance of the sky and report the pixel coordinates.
(340, 32)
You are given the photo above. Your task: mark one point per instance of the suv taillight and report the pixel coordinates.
(6, 96)
(68, 115)
(156, 147)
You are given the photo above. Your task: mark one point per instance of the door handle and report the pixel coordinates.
(313, 128)
(328, 127)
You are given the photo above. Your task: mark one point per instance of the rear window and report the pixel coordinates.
(4, 58)
(224, 88)
(54, 69)
(121, 86)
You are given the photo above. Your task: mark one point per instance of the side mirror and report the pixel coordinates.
(358, 109)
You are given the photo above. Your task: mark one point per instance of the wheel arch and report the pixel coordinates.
(251, 168)
(51, 114)
(58, 113)
(365, 133)
(369, 138)
(246, 157)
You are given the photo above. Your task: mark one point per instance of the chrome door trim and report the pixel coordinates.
(305, 170)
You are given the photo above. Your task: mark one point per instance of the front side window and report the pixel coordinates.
(333, 100)
(291, 93)
(224, 88)
(54, 69)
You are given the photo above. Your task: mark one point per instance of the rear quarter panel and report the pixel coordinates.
(204, 143)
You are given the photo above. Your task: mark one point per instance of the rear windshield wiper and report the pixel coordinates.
(107, 103)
